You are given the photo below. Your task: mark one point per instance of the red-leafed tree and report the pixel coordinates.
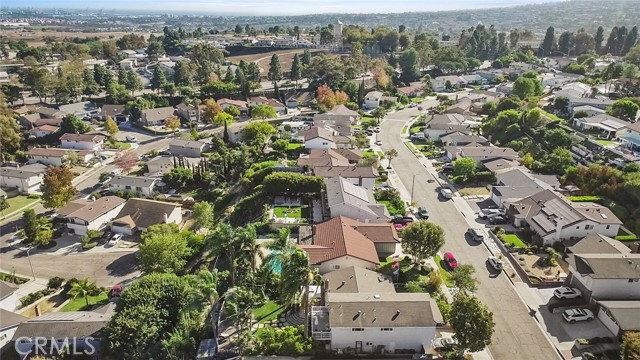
(57, 188)
(125, 160)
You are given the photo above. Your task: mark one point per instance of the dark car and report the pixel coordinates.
(498, 220)
(399, 219)
(423, 213)
(448, 167)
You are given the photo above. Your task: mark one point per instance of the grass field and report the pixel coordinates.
(78, 304)
(417, 99)
(118, 145)
(446, 277)
(293, 212)
(514, 240)
(294, 146)
(18, 202)
(269, 311)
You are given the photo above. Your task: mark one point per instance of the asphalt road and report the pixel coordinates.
(516, 336)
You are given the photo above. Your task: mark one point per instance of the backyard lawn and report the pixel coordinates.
(446, 277)
(78, 304)
(269, 311)
(604, 142)
(417, 99)
(291, 212)
(18, 202)
(294, 146)
(514, 240)
(118, 145)
(368, 120)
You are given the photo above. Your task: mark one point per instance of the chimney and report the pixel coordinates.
(559, 224)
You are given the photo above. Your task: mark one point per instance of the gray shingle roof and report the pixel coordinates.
(23, 172)
(597, 244)
(342, 191)
(59, 325)
(625, 313)
(607, 266)
(355, 279)
(133, 181)
(90, 210)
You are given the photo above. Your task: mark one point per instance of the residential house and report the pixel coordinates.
(130, 53)
(340, 119)
(516, 184)
(553, 218)
(605, 276)
(520, 67)
(500, 165)
(141, 185)
(139, 214)
(338, 243)
(116, 112)
(168, 67)
(26, 179)
(444, 124)
(188, 113)
(319, 138)
(412, 90)
(364, 176)
(87, 214)
(9, 300)
(330, 157)
(30, 121)
(600, 103)
(160, 165)
(480, 153)
(275, 104)
(490, 74)
(81, 331)
(56, 156)
(83, 110)
(128, 63)
(9, 322)
(188, 148)
(372, 100)
(575, 90)
(620, 317)
(629, 136)
(556, 80)
(440, 83)
(239, 104)
(604, 123)
(461, 107)
(44, 130)
(89, 142)
(474, 79)
(157, 116)
(347, 199)
(462, 139)
(588, 110)
(4, 77)
(506, 89)
(299, 99)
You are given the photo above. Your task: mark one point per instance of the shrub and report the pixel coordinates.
(414, 287)
(33, 297)
(55, 282)
(585, 198)
(280, 183)
(626, 237)
(89, 245)
(33, 196)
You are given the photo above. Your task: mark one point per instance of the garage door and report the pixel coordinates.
(608, 321)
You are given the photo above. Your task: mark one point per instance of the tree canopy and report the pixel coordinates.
(422, 239)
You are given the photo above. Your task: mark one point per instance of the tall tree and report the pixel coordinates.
(159, 79)
(463, 278)
(203, 214)
(390, 155)
(71, 124)
(472, 322)
(306, 57)
(296, 69)
(564, 42)
(422, 239)
(549, 41)
(612, 45)
(630, 41)
(37, 230)
(57, 188)
(599, 38)
(10, 137)
(111, 127)
(164, 253)
(275, 70)
(408, 62)
(294, 276)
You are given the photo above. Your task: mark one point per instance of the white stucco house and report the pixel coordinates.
(630, 136)
(92, 142)
(26, 179)
(55, 156)
(142, 185)
(87, 214)
(356, 202)
(364, 176)
(319, 138)
(188, 148)
(9, 322)
(372, 100)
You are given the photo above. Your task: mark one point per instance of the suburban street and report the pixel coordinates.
(516, 336)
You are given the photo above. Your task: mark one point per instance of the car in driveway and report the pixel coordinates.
(498, 220)
(450, 261)
(114, 240)
(577, 314)
(476, 234)
(495, 263)
(446, 193)
(422, 213)
(443, 343)
(487, 213)
(448, 167)
(404, 220)
(131, 139)
(567, 293)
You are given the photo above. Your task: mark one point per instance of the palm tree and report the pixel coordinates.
(390, 154)
(294, 276)
(313, 277)
(82, 287)
(223, 241)
(379, 113)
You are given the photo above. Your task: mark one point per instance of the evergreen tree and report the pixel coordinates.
(599, 38)
(612, 41)
(275, 70)
(296, 69)
(549, 41)
(306, 57)
(159, 79)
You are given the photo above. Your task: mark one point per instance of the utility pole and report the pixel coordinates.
(30, 264)
(413, 184)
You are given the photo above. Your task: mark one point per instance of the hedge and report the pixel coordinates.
(249, 208)
(281, 183)
(626, 238)
(585, 198)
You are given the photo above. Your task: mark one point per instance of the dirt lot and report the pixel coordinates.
(35, 37)
(286, 58)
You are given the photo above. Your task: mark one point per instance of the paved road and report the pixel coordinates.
(517, 336)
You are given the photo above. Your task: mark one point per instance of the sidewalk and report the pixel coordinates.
(29, 287)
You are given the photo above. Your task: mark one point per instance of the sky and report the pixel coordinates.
(272, 7)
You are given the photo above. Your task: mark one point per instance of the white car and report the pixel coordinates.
(488, 213)
(131, 139)
(446, 193)
(567, 293)
(574, 315)
(116, 172)
(495, 263)
(114, 239)
(378, 142)
(442, 343)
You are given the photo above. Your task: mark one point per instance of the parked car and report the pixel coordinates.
(446, 193)
(476, 234)
(423, 213)
(131, 139)
(574, 315)
(448, 167)
(450, 261)
(495, 263)
(399, 219)
(412, 105)
(378, 142)
(376, 129)
(567, 293)
(401, 107)
(444, 343)
(486, 213)
(498, 220)
(116, 172)
(114, 240)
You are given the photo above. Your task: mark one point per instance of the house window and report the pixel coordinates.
(386, 329)
(608, 226)
(138, 188)
(336, 267)
(128, 187)
(357, 329)
(325, 143)
(633, 280)
(588, 227)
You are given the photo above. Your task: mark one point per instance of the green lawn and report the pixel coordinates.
(411, 147)
(368, 120)
(551, 116)
(446, 277)
(514, 240)
(18, 202)
(380, 154)
(416, 129)
(269, 311)
(417, 99)
(294, 146)
(78, 304)
(118, 145)
(404, 129)
(605, 142)
(293, 212)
